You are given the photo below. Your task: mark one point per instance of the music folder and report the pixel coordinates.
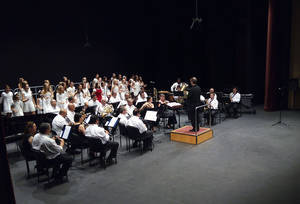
(151, 116)
(65, 132)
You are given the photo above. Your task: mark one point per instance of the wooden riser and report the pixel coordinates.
(190, 138)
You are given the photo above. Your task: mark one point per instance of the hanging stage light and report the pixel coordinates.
(196, 19)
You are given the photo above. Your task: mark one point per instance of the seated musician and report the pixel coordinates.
(149, 106)
(104, 109)
(114, 98)
(123, 115)
(94, 131)
(177, 85)
(165, 112)
(147, 136)
(93, 101)
(212, 103)
(71, 112)
(212, 90)
(54, 152)
(60, 121)
(124, 101)
(29, 132)
(77, 138)
(232, 107)
(141, 98)
(130, 107)
(53, 107)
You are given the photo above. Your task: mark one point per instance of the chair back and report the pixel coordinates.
(133, 132)
(123, 130)
(94, 144)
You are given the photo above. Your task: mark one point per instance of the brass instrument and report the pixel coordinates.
(108, 109)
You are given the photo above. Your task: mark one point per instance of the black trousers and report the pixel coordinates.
(113, 147)
(62, 164)
(191, 114)
(232, 109)
(147, 138)
(213, 113)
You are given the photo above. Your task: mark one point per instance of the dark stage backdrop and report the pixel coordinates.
(44, 40)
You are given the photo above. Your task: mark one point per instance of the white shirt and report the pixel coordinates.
(174, 86)
(235, 97)
(114, 99)
(213, 103)
(135, 121)
(140, 99)
(70, 115)
(122, 103)
(46, 145)
(80, 99)
(95, 131)
(93, 103)
(130, 109)
(58, 124)
(54, 110)
(123, 119)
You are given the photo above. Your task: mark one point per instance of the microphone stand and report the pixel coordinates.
(196, 116)
(280, 110)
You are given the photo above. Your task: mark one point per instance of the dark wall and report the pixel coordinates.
(44, 39)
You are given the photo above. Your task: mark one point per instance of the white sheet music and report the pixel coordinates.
(65, 134)
(112, 122)
(87, 120)
(151, 115)
(173, 104)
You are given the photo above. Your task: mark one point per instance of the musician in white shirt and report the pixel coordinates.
(130, 107)
(177, 85)
(212, 90)
(213, 104)
(71, 112)
(93, 101)
(124, 101)
(94, 131)
(232, 107)
(59, 121)
(146, 136)
(54, 152)
(114, 98)
(53, 107)
(141, 98)
(123, 116)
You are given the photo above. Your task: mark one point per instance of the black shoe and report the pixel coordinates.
(192, 130)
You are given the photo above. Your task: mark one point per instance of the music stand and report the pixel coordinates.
(281, 92)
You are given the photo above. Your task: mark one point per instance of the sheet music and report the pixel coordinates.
(112, 122)
(87, 120)
(151, 116)
(65, 134)
(173, 104)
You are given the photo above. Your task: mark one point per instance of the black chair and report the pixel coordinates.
(134, 134)
(43, 165)
(28, 158)
(96, 146)
(123, 132)
(76, 141)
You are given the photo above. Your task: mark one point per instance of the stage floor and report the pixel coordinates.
(247, 161)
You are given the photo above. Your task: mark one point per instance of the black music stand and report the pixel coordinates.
(281, 92)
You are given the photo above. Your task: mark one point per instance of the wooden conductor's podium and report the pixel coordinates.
(185, 135)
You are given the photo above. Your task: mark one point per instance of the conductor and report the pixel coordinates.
(193, 101)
